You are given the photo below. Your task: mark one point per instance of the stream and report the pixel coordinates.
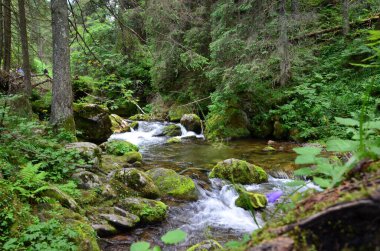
(214, 215)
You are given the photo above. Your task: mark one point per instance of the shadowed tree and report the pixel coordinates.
(346, 16)
(1, 32)
(62, 100)
(7, 35)
(283, 45)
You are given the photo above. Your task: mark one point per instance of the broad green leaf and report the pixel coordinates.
(140, 246)
(340, 145)
(304, 171)
(295, 183)
(347, 121)
(174, 236)
(372, 125)
(233, 244)
(305, 159)
(325, 168)
(156, 248)
(309, 150)
(324, 183)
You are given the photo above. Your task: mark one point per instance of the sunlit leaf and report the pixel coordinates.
(174, 236)
(295, 183)
(324, 183)
(372, 125)
(347, 121)
(340, 145)
(305, 159)
(304, 171)
(140, 246)
(309, 150)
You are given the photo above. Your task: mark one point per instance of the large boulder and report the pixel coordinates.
(87, 180)
(138, 181)
(248, 201)
(172, 131)
(192, 123)
(93, 122)
(239, 171)
(149, 211)
(113, 162)
(89, 151)
(172, 184)
(119, 125)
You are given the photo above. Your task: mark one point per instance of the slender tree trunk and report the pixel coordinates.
(283, 46)
(62, 101)
(25, 49)
(346, 16)
(1, 32)
(7, 35)
(295, 7)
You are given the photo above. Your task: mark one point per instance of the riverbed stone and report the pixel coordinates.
(89, 151)
(128, 220)
(174, 140)
(138, 181)
(119, 125)
(93, 122)
(207, 245)
(172, 184)
(172, 130)
(87, 180)
(104, 229)
(249, 200)
(149, 211)
(192, 123)
(239, 171)
(119, 147)
(112, 162)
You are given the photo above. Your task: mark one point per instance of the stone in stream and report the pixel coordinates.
(93, 122)
(149, 211)
(207, 245)
(248, 200)
(172, 130)
(174, 140)
(119, 125)
(239, 171)
(192, 123)
(128, 220)
(138, 181)
(172, 184)
(89, 151)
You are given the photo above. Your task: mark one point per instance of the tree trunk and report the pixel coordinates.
(7, 35)
(346, 16)
(62, 100)
(283, 46)
(295, 7)
(25, 50)
(1, 32)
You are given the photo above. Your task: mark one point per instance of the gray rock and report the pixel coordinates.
(89, 151)
(192, 123)
(127, 221)
(87, 180)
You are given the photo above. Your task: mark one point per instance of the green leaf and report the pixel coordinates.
(303, 172)
(340, 145)
(308, 150)
(233, 244)
(295, 183)
(174, 236)
(305, 159)
(324, 183)
(347, 121)
(372, 125)
(140, 246)
(156, 248)
(325, 168)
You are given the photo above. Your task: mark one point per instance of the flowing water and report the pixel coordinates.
(214, 215)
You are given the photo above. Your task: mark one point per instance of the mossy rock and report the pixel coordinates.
(207, 245)
(248, 200)
(112, 162)
(239, 171)
(63, 198)
(149, 211)
(119, 125)
(174, 140)
(93, 122)
(88, 151)
(192, 123)
(141, 117)
(172, 130)
(138, 181)
(269, 149)
(87, 180)
(120, 147)
(172, 184)
(279, 131)
(134, 125)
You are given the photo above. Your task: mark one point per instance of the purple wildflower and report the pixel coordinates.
(272, 197)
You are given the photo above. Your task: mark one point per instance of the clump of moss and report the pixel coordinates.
(149, 211)
(174, 140)
(249, 200)
(239, 171)
(120, 147)
(141, 117)
(172, 130)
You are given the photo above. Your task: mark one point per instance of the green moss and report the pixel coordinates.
(239, 171)
(248, 200)
(134, 125)
(172, 130)
(149, 211)
(120, 147)
(141, 117)
(269, 149)
(118, 124)
(176, 113)
(172, 184)
(207, 245)
(174, 140)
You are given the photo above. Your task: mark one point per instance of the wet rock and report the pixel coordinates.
(119, 125)
(248, 200)
(89, 151)
(63, 198)
(172, 184)
(138, 181)
(172, 131)
(269, 149)
(104, 229)
(207, 245)
(176, 113)
(149, 211)
(112, 162)
(93, 122)
(128, 220)
(87, 180)
(277, 244)
(134, 125)
(174, 140)
(239, 171)
(119, 147)
(192, 123)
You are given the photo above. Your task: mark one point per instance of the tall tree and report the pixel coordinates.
(62, 100)
(1, 32)
(7, 35)
(25, 49)
(346, 16)
(283, 45)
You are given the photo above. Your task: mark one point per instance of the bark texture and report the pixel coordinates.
(7, 35)
(283, 45)
(62, 100)
(1, 32)
(25, 49)
(346, 16)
